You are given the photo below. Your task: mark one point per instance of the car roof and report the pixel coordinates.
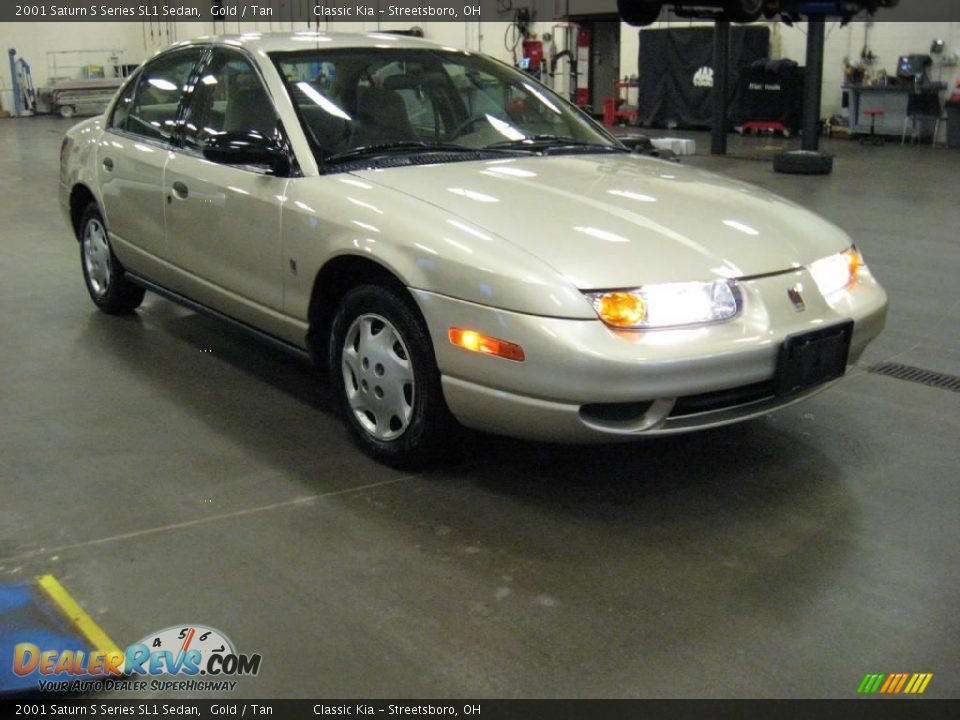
(307, 39)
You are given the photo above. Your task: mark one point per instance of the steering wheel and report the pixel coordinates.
(468, 123)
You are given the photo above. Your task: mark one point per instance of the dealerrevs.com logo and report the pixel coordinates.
(186, 652)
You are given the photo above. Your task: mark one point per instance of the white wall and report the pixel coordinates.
(139, 40)
(887, 40)
(34, 40)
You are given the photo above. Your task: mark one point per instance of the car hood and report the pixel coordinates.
(612, 221)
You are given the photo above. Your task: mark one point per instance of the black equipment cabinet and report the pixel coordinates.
(676, 73)
(953, 124)
(771, 91)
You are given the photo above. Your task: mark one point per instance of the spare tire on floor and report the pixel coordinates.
(803, 162)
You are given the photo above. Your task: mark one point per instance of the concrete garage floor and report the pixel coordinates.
(170, 471)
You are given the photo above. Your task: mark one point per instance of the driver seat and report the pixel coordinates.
(381, 118)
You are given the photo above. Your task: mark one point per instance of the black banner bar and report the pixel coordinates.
(412, 12)
(858, 709)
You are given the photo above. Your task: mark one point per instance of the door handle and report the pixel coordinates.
(180, 190)
(108, 164)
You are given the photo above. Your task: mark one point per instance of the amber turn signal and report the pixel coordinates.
(854, 261)
(622, 309)
(476, 342)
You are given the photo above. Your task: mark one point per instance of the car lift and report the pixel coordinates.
(812, 94)
(24, 94)
(807, 160)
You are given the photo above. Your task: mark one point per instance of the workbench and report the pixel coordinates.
(892, 99)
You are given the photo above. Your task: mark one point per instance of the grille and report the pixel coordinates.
(917, 375)
(722, 399)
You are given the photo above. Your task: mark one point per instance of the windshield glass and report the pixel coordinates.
(358, 99)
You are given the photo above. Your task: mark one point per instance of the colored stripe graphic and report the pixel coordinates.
(900, 682)
(894, 683)
(871, 683)
(891, 681)
(918, 683)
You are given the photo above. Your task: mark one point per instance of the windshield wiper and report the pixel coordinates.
(538, 142)
(399, 146)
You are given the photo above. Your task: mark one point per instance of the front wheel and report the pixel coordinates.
(102, 273)
(384, 375)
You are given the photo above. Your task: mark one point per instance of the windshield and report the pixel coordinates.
(368, 100)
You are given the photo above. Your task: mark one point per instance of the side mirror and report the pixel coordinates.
(247, 148)
(636, 142)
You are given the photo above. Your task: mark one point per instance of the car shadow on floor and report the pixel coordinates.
(756, 499)
(731, 522)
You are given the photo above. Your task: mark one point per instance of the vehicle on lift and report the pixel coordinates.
(794, 10)
(645, 12)
(448, 238)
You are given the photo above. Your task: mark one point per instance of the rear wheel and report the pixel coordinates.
(102, 272)
(638, 13)
(384, 374)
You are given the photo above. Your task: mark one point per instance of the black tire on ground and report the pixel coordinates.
(639, 13)
(743, 11)
(102, 272)
(429, 422)
(803, 162)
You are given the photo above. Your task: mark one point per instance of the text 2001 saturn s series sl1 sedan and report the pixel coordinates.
(448, 236)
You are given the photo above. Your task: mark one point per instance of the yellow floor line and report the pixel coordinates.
(94, 634)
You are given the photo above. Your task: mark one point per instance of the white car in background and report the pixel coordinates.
(450, 238)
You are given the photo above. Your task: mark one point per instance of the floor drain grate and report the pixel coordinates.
(917, 375)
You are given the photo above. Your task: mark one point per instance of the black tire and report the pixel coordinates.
(102, 272)
(803, 162)
(743, 11)
(638, 12)
(421, 435)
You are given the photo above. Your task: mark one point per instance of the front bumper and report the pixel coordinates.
(582, 381)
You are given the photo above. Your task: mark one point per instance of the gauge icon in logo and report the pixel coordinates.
(186, 647)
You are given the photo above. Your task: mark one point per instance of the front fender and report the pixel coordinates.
(426, 247)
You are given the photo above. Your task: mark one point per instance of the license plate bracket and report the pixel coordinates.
(812, 358)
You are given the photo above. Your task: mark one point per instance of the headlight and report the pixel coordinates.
(835, 272)
(668, 305)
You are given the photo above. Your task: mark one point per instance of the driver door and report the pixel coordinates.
(223, 221)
